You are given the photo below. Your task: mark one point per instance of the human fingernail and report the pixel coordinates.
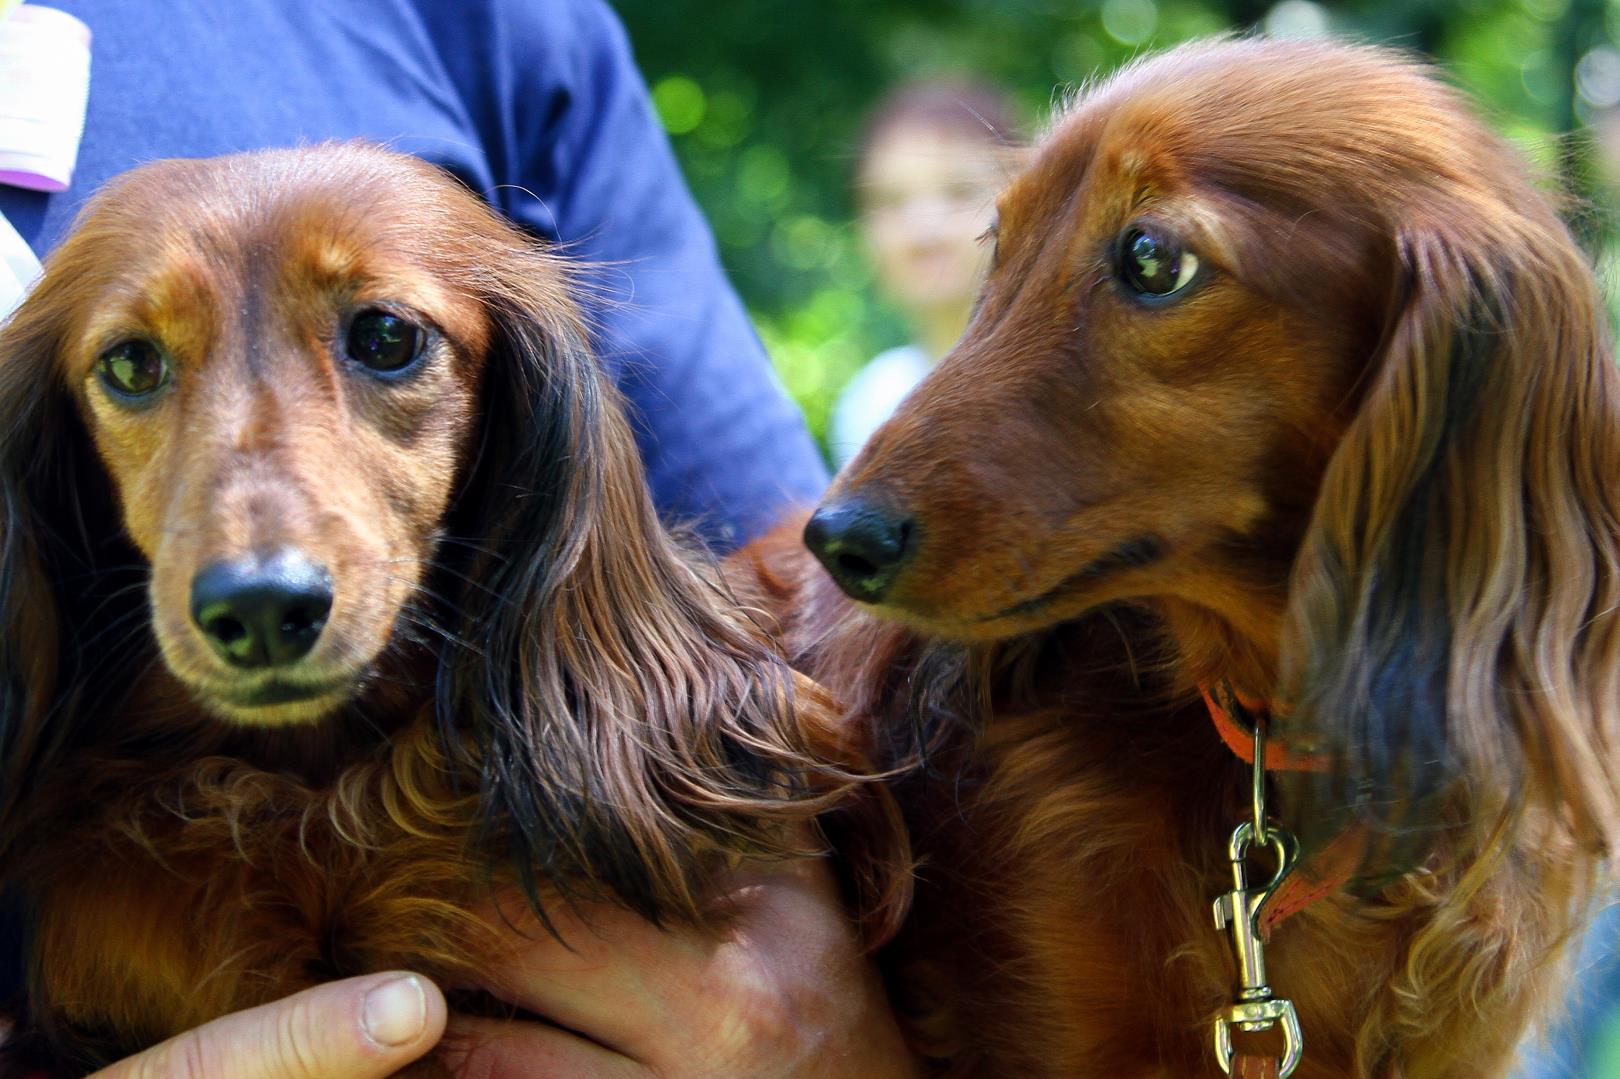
(396, 1011)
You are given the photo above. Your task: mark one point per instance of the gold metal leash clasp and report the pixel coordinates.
(1238, 911)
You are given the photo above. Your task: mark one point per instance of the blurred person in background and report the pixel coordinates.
(930, 161)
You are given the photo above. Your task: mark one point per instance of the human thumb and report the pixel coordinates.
(356, 1029)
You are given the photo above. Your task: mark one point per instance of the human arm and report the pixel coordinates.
(577, 154)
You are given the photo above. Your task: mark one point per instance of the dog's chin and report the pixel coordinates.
(298, 695)
(963, 626)
(276, 703)
(970, 627)
(1120, 572)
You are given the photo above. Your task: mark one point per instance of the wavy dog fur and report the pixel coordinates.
(1363, 463)
(523, 678)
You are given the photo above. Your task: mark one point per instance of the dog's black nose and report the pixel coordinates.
(262, 610)
(862, 544)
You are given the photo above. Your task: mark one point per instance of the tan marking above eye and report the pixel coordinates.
(325, 263)
(182, 291)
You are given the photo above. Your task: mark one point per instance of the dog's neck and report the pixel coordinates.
(1239, 644)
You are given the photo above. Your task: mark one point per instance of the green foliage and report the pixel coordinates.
(764, 101)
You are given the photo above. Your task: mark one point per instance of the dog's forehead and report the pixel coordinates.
(178, 243)
(1123, 141)
(1299, 124)
(261, 202)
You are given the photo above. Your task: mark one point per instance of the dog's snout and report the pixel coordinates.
(863, 544)
(262, 610)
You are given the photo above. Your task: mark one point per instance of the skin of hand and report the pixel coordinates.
(777, 988)
(361, 1028)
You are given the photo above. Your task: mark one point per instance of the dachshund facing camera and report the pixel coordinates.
(1288, 385)
(333, 600)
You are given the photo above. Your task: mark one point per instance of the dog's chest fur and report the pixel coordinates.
(221, 885)
(1063, 926)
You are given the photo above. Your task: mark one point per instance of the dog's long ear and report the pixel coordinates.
(30, 631)
(1455, 610)
(57, 534)
(633, 727)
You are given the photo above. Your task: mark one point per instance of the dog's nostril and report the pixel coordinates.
(302, 621)
(863, 544)
(262, 610)
(855, 565)
(225, 630)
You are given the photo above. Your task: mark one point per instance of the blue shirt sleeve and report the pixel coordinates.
(537, 105)
(578, 154)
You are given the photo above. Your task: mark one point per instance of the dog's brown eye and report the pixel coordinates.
(1153, 264)
(135, 368)
(383, 342)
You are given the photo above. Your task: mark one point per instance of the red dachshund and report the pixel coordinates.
(332, 599)
(1288, 385)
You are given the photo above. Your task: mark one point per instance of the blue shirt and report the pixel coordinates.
(537, 105)
(870, 398)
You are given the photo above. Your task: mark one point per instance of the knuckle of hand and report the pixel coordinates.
(185, 1057)
(294, 1040)
(764, 1021)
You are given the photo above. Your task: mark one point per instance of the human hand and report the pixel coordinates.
(779, 989)
(362, 1028)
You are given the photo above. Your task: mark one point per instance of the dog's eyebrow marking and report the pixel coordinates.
(326, 261)
(176, 303)
(344, 269)
(181, 291)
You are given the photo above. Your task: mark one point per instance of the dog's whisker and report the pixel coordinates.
(436, 568)
(129, 624)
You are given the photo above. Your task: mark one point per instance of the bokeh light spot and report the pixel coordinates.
(680, 103)
(1130, 22)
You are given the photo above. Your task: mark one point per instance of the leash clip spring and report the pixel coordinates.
(1238, 911)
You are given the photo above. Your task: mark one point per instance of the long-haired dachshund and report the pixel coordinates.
(332, 599)
(1286, 385)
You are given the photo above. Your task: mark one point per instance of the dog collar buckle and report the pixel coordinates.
(1260, 1015)
(1239, 911)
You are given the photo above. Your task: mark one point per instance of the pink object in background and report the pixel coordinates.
(44, 88)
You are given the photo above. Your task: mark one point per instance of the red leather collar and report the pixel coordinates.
(1234, 715)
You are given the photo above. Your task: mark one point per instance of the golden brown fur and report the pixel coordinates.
(1364, 466)
(522, 678)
